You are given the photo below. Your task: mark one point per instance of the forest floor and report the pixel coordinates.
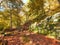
(27, 38)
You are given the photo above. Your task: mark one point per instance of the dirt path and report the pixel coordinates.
(29, 39)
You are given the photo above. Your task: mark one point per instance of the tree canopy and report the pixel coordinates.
(19, 14)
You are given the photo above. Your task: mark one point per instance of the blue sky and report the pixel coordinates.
(25, 1)
(1, 8)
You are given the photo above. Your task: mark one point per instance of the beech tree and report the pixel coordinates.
(35, 11)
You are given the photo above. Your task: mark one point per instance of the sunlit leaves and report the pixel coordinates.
(51, 6)
(33, 11)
